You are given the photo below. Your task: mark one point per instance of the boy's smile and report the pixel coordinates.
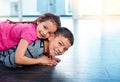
(58, 45)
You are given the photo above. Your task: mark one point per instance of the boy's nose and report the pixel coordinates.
(61, 50)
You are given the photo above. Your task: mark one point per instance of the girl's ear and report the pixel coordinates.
(51, 37)
(39, 20)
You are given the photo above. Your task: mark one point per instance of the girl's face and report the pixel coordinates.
(45, 29)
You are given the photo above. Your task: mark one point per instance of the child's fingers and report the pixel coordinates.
(57, 59)
(53, 62)
(50, 61)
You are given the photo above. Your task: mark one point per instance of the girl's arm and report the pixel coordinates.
(9, 60)
(20, 57)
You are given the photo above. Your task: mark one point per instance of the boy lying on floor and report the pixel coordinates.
(55, 45)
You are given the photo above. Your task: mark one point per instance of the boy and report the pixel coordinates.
(43, 51)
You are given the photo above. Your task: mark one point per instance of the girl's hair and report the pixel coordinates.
(47, 16)
(65, 32)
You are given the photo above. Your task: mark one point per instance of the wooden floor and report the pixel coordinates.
(70, 69)
(91, 59)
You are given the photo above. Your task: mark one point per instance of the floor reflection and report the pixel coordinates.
(94, 57)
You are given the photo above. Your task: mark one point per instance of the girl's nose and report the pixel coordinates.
(45, 32)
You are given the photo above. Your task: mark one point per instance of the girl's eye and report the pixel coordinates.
(50, 32)
(45, 27)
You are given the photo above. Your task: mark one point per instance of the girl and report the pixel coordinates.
(24, 33)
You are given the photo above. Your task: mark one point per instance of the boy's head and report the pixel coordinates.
(61, 41)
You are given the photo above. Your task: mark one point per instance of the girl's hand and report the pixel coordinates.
(56, 59)
(45, 60)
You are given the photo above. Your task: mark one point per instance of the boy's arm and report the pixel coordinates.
(9, 61)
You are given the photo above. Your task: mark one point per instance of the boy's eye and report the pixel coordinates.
(60, 43)
(65, 49)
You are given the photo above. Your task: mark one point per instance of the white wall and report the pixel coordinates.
(4, 8)
(30, 7)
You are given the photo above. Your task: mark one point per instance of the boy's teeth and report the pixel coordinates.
(55, 52)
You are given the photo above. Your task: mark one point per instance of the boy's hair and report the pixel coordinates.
(47, 16)
(65, 32)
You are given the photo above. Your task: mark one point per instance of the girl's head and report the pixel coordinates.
(47, 24)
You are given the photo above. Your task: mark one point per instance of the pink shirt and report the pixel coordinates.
(10, 34)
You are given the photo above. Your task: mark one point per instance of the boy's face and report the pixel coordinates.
(45, 29)
(58, 45)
